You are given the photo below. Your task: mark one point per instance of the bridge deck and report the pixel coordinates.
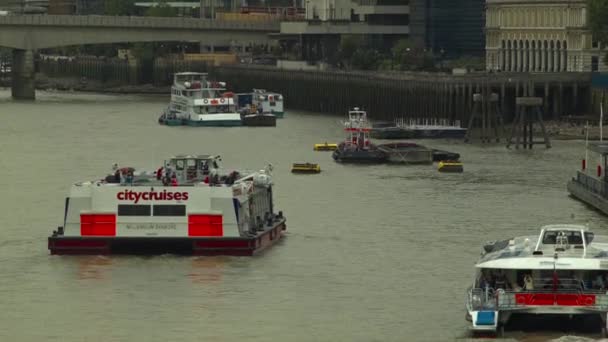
(137, 22)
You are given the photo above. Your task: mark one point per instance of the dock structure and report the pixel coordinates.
(528, 112)
(487, 115)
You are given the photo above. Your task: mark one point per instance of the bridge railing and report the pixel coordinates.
(271, 24)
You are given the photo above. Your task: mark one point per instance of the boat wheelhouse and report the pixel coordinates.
(269, 102)
(196, 101)
(563, 271)
(261, 101)
(590, 184)
(187, 206)
(358, 148)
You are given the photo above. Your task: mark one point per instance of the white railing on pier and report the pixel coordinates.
(426, 123)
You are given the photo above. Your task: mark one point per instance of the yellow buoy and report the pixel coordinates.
(325, 147)
(450, 166)
(305, 168)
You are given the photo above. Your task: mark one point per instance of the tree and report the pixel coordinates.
(365, 59)
(119, 7)
(409, 57)
(598, 21)
(348, 46)
(161, 9)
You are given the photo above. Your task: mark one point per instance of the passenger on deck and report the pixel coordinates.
(174, 180)
(501, 281)
(484, 282)
(130, 177)
(528, 282)
(159, 173)
(117, 176)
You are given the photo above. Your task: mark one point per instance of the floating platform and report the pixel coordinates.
(440, 155)
(453, 166)
(408, 153)
(259, 120)
(325, 147)
(305, 168)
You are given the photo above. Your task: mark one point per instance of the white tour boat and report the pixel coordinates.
(562, 271)
(195, 101)
(188, 206)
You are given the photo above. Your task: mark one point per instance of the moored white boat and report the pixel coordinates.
(189, 206)
(563, 271)
(195, 101)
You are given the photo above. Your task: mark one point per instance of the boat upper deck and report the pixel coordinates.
(184, 170)
(557, 246)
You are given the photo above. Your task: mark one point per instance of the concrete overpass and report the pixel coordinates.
(27, 33)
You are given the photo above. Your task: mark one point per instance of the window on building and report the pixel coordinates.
(595, 44)
(595, 63)
(169, 210)
(133, 210)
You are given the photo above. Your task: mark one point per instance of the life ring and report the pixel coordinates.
(589, 301)
(205, 101)
(222, 100)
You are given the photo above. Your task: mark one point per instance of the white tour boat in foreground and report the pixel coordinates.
(562, 271)
(189, 206)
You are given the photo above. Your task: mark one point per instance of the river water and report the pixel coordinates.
(373, 253)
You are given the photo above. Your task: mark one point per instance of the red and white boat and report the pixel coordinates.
(189, 206)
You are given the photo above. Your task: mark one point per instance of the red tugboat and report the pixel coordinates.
(188, 206)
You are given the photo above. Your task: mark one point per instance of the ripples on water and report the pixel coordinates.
(374, 253)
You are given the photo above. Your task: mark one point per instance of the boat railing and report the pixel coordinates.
(592, 184)
(480, 299)
(591, 299)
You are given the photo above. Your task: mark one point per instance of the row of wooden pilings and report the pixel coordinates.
(385, 96)
(415, 96)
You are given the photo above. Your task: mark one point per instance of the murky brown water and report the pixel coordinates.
(373, 253)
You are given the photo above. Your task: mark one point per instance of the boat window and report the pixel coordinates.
(133, 210)
(574, 237)
(169, 210)
(191, 163)
(588, 237)
(204, 166)
(217, 109)
(179, 164)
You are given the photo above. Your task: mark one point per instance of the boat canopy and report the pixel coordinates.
(564, 247)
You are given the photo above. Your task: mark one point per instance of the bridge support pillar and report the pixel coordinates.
(23, 75)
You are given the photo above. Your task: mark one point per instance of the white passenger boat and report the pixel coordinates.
(195, 101)
(562, 271)
(188, 206)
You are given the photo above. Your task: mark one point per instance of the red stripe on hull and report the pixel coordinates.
(187, 245)
(559, 299)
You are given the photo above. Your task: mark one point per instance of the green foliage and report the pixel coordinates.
(365, 59)
(277, 50)
(598, 19)
(119, 7)
(409, 57)
(161, 9)
(597, 10)
(348, 46)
